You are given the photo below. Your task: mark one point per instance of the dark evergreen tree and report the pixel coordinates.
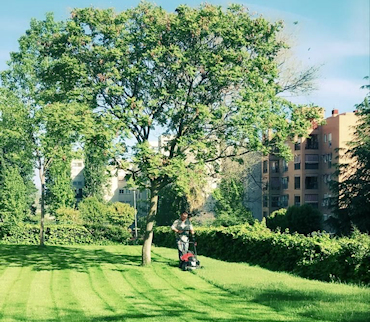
(351, 203)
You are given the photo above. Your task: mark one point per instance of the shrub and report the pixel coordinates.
(318, 256)
(277, 220)
(93, 211)
(121, 214)
(304, 219)
(61, 234)
(67, 215)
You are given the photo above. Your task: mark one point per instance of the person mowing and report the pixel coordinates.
(182, 227)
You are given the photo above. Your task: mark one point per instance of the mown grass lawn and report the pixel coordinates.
(107, 283)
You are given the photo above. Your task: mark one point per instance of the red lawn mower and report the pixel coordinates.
(189, 261)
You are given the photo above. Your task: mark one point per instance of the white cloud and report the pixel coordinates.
(331, 93)
(341, 88)
(324, 51)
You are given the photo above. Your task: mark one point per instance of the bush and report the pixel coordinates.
(277, 220)
(28, 234)
(301, 219)
(67, 215)
(318, 256)
(93, 211)
(304, 219)
(105, 234)
(121, 214)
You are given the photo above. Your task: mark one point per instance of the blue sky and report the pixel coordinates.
(331, 33)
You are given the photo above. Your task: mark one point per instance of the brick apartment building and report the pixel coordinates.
(306, 178)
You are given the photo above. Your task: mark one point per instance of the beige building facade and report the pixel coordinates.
(306, 179)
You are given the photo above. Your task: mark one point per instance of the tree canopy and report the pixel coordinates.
(205, 77)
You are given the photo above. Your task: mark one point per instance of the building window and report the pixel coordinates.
(311, 182)
(297, 200)
(325, 138)
(297, 145)
(284, 201)
(312, 143)
(297, 183)
(275, 201)
(265, 201)
(121, 191)
(285, 165)
(312, 199)
(325, 158)
(274, 184)
(329, 160)
(274, 166)
(284, 182)
(265, 166)
(329, 139)
(311, 161)
(297, 162)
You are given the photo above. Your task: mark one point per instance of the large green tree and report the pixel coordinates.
(16, 160)
(50, 125)
(352, 190)
(206, 77)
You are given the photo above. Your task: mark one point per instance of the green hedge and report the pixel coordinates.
(64, 234)
(316, 257)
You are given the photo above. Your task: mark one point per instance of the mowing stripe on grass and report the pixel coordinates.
(153, 302)
(107, 283)
(7, 281)
(125, 294)
(40, 305)
(17, 295)
(66, 305)
(89, 301)
(220, 301)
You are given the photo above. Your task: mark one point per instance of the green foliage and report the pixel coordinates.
(67, 215)
(170, 205)
(15, 140)
(59, 192)
(352, 191)
(317, 256)
(277, 220)
(301, 219)
(64, 234)
(121, 214)
(304, 219)
(14, 205)
(15, 151)
(97, 152)
(229, 206)
(205, 76)
(93, 211)
(200, 57)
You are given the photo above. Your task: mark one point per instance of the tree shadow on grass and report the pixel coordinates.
(60, 258)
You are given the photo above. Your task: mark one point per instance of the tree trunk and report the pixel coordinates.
(42, 204)
(148, 236)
